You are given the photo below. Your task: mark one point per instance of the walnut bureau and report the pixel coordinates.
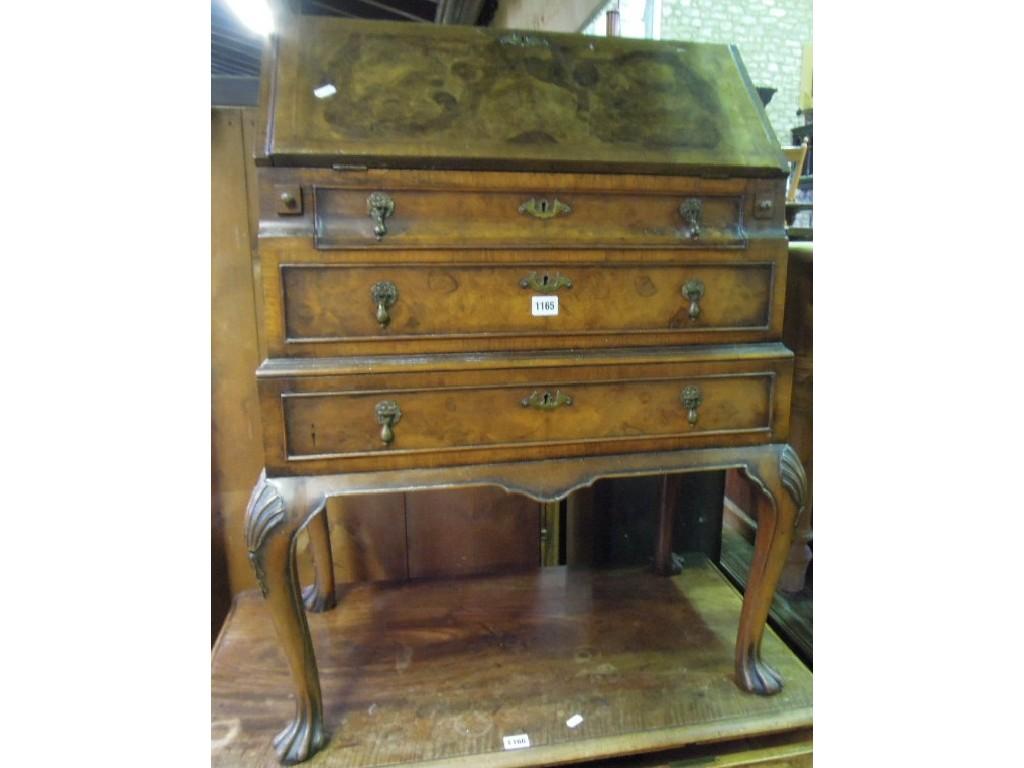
(514, 259)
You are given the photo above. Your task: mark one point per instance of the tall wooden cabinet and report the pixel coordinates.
(514, 259)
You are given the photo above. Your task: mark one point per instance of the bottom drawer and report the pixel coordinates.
(324, 417)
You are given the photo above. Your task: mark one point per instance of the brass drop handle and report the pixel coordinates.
(691, 398)
(545, 401)
(388, 414)
(380, 206)
(692, 210)
(384, 294)
(694, 291)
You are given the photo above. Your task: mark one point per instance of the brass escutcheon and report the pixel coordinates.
(546, 401)
(694, 291)
(691, 209)
(691, 398)
(380, 206)
(388, 414)
(545, 283)
(384, 294)
(540, 208)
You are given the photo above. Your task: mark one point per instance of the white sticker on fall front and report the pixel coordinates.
(545, 305)
(519, 741)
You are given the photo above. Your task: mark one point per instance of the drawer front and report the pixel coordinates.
(334, 308)
(472, 416)
(414, 218)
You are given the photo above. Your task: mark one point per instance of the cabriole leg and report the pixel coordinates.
(781, 498)
(319, 596)
(271, 525)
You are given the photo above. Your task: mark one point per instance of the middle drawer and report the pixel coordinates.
(336, 309)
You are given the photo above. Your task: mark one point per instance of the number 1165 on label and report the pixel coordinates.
(544, 305)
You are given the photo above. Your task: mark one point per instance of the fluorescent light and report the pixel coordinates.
(255, 14)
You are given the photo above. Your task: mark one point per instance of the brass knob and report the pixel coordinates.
(388, 414)
(384, 294)
(692, 209)
(691, 399)
(694, 291)
(289, 200)
(380, 206)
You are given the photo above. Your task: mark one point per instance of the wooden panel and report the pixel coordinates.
(617, 299)
(237, 453)
(368, 538)
(441, 670)
(340, 424)
(471, 531)
(463, 417)
(446, 96)
(467, 209)
(335, 303)
(318, 422)
(568, 219)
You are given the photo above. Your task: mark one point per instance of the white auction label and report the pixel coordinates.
(545, 305)
(519, 741)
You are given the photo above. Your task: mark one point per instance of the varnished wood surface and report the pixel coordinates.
(487, 219)
(471, 531)
(458, 265)
(451, 96)
(791, 614)
(799, 336)
(236, 447)
(333, 305)
(792, 749)
(316, 423)
(468, 201)
(441, 670)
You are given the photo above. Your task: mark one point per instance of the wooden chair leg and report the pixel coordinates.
(271, 525)
(664, 563)
(783, 487)
(319, 596)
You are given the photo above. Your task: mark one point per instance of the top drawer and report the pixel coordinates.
(368, 210)
(412, 218)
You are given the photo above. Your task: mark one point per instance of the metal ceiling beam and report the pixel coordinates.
(458, 11)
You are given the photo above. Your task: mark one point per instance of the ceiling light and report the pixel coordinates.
(255, 14)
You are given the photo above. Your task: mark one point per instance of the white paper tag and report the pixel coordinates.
(325, 91)
(519, 741)
(544, 306)
(573, 721)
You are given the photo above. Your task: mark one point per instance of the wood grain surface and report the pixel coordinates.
(236, 449)
(442, 670)
(463, 97)
(323, 423)
(468, 218)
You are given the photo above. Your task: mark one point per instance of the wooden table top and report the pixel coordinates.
(442, 670)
